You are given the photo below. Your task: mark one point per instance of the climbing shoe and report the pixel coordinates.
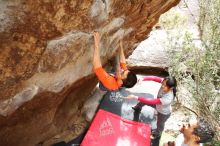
(136, 108)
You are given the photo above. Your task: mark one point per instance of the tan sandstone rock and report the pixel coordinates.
(46, 50)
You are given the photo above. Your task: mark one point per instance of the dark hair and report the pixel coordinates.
(171, 83)
(204, 131)
(130, 81)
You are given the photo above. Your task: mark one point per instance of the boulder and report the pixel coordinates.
(46, 71)
(150, 56)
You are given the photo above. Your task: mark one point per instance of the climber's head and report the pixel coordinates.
(200, 131)
(129, 79)
(169, 83)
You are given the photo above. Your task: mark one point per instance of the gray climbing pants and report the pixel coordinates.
(161, 120)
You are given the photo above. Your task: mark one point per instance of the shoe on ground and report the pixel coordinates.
(154, 134)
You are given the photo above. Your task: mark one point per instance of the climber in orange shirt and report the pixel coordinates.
(123, 78)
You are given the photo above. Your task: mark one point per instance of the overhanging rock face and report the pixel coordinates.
(45, 59)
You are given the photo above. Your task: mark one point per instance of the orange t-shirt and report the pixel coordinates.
(107, 80)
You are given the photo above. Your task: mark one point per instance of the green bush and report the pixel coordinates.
(196, 62)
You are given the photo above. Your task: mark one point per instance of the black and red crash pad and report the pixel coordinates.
(108, 129)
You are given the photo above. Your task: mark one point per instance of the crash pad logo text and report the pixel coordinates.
(106, 128)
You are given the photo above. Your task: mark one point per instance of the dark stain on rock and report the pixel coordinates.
(149, 70)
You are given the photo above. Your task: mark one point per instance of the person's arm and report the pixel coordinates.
(96, 56)
(153, 78)
(122, 56)
(107, 80)
(149, 101)
(145, 100)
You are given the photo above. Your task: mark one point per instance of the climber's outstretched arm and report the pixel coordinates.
(96, 56)
(107, 80)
